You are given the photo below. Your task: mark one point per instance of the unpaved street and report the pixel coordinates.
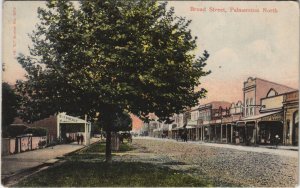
(225, 166)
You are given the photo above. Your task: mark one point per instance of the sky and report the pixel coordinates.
(262, 44)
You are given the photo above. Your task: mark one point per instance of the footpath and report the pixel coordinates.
(289, 151)
(28, 162)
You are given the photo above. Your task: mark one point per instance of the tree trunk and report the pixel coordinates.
(108, 147)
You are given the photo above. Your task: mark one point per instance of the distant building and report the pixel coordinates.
(210, 120)
(155, 127)
(178, 120)
(145, 129)
(205, 120)
(193, 132)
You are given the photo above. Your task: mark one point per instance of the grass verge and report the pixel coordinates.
(101, 174)
(87, 168)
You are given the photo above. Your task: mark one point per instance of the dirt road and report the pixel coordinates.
(224, 166)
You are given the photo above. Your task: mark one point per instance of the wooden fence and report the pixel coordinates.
(22, 143)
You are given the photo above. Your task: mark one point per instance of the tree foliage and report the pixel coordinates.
(122, 122)
(10, 104)
(111, 55)
(16, 130)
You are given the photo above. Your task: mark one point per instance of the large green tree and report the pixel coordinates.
(111, 57)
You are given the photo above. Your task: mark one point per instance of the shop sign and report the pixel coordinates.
(69, 119)
(273, 117)
(200, 122)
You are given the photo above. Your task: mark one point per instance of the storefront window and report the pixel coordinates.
(247, 111)
(251, 108)
(288, 129)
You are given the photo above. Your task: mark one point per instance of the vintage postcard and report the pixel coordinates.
(146, 93)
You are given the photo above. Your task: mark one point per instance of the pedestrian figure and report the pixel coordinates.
(277, 140)
(78, 138)
(184, 135)
(81, 138)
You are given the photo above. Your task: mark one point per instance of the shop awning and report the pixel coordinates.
(270, 116)
(178, 128)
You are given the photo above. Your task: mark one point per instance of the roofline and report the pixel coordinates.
(282, 94)
(274, 83)
(291, 92)
(209, 103)
(218, 101)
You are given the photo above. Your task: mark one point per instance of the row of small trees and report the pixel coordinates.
(17, 130)
(110, 57)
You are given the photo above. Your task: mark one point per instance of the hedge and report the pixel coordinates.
(36, 131)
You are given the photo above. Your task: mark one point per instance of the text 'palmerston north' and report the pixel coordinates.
(233, 10)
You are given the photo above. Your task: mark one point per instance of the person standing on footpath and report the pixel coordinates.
(81, 138)
(185, 133)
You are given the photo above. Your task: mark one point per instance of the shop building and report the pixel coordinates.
(263, 115)
(262, 128)
(257, 88)
(209, 120)
(229, 128)
(268, 110)
(291, 118)
(180, 122)
(62, 126)
(192, 127)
